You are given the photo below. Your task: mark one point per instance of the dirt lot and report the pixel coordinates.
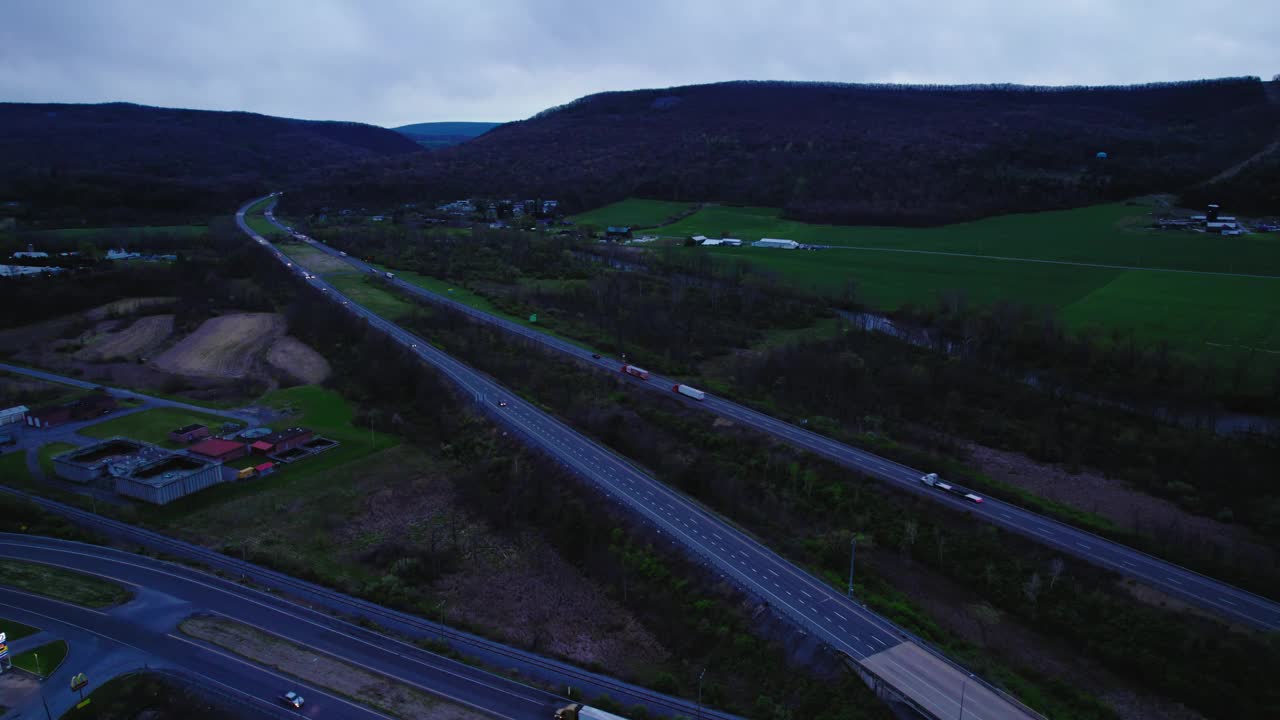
(138, 338)
(292, 356)
(376, 690)
(400, 503)
(1126, 507)
(224, 346)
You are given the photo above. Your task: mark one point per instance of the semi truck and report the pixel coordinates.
(687, 391)
(634, 371)
(391, 276)
(933, 481)
(576, 711)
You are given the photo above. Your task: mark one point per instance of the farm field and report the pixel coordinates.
(142, 335)
(633, 211)
(181, 231)
(1105, 234)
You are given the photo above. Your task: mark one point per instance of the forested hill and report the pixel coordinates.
(96, 161)
(859, 153)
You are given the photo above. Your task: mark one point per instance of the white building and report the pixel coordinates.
(776, 243)
(731, 242)
(700, 239)
(12, 415)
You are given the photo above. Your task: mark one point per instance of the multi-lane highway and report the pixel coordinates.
(923, 678)
(1224, 599)
(169, 593)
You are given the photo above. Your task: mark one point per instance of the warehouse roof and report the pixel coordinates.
(214, 447)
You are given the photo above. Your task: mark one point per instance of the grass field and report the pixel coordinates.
(43, 660)
(363, 289)
(151, 426)
(310, 406)
(182, 231)
(62, 584)
(633, 211)
(15, 630)
(13, 466)
(259, 223)
(51, 450)
(1104, 234)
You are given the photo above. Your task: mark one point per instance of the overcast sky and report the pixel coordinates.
(393, 62)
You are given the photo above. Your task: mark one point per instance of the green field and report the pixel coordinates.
(44, 660)
(61, 584)
(152, 426)
(182, 231)
(311, 406)
(51, 450)
(1104, 234)
(259, 223)
(364, 290)
(16, 630)
(634, 212)
(13, 466)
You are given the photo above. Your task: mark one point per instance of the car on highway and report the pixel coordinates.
(595, 355)
(293, 700)
(502, 403)
(973, 498)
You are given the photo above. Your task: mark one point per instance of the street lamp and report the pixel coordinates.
(441, 626)
(704, 672)
(964, 686)
(853, 546)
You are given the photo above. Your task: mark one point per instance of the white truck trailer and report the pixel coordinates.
(687, 391)
(576, 711)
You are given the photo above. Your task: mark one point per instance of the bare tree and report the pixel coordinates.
(985, 616)
(1055, 571)
(1032, 588)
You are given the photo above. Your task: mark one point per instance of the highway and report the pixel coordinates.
(925, 679)
(103, 644)
(172, 592)
(1226, 600)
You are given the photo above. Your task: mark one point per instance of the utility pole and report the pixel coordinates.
(853, 547)
(704, 672)
(963, 687)
(442, 604)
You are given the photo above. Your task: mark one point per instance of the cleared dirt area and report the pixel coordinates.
(353, 524)
(297, 359)
(1128, 508)
(224, 346)
(141, 336)
(127, 306)
(369, 688)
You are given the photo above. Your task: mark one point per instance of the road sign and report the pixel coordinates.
(533, 318)
(3, 637)
(78, 681)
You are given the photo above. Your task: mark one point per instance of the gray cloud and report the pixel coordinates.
(393, 62)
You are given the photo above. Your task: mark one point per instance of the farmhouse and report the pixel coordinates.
(219, 450)
(776, 243)
(12, 415)
(189, 433)
(282, 441)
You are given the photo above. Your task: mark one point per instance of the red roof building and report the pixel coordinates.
(264, 468)
(219, 449)
(286, 439)
(262, 447)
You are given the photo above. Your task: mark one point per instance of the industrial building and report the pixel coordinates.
(287, 439)
(86, 464)
(219, 450)
(776, 243)
(189, 433)
(91, 406)
(12, 415)
(138, 470)
(165, 479)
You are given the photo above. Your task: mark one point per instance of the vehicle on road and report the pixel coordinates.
(634, 371)
(342, 253)
(687, 391)
(502, 403)
(391, 276)
(575, 711)
(933, 481)
(293, 700)
(595, 355)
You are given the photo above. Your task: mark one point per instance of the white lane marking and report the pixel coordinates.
(840, 616)
(1175, 581)
(1086, 547)
(775, 574)
(806, 594)
(1226, 601)
(873, 637)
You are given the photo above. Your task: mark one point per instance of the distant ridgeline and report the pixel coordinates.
(827, 152)
(437, 135)
(116, 161)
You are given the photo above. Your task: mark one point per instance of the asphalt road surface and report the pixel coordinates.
(166, 594)
(1224, 599)
(924, 678)
(95, 638)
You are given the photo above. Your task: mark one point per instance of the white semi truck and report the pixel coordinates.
(933, 481)
(576, 711)
(687, 391)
